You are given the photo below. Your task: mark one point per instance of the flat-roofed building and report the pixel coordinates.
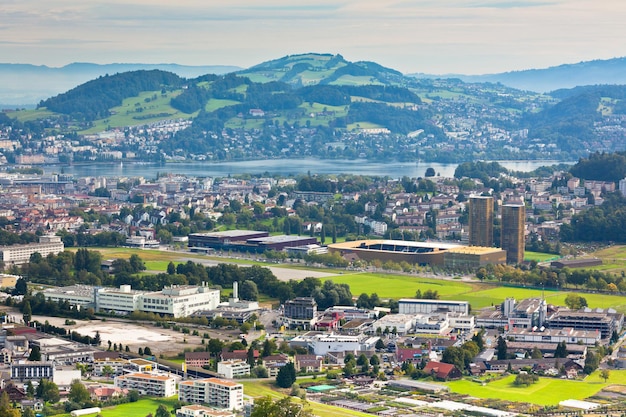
(567, 335)
(147, 384)
(180, 300)
(473, 257)
(481, 221)
(116, 365)
(512, 232)
(77, 295)
(233, 368)
(20, 254)
(223, 240)
(197, 410)
(422, 253)
(301, 311)
(422, 306)
(606, 322)
(31, 370)
(124, 299)
(216, 392)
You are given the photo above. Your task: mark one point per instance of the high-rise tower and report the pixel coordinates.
(481, 221)
(512, 232)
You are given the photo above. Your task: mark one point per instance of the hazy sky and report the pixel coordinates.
(432, 36)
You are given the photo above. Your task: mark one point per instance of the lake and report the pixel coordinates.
(283, 167)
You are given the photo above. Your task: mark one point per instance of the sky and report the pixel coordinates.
(428, 36)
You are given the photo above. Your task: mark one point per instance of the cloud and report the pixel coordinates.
(417, 35)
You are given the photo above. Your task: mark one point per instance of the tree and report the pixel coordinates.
(285, 407)
(286, 376)
(30, 389)
(536, 353)
(162, 411)
(147, 351)
(48, 391)
(215, 346)
(27, 312)
(21, 287)
(133, 396)
(136, 263)
(605, 374)
(561, 350)
(249, 290)
(575, 302)
(171, 268)
(78, 392)
(430, 172)
(5, 407)
(479, 340)
(107, 371)
(35, 354)
(501, 348)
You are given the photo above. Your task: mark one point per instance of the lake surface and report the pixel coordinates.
(284, 167)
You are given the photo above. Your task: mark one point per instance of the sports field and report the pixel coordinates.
(548, 391)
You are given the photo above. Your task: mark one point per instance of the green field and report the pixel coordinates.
(548, 391)
(479, 295)
(30, 115)
(217, 103)
(136, 111)
(141, 408)
(258, 389)
(539, 256)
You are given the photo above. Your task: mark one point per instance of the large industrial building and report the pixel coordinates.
(246, 241)
(473, 257)
(512, 232)
(481, 221)
(421, 306)
(176, 301)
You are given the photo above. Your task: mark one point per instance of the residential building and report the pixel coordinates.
(481, 221)
(147, 384)
(216, 392)
(197, 359)
(301, 311)
(232, 369)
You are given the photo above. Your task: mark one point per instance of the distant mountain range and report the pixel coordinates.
(26, 85)
(608, 71)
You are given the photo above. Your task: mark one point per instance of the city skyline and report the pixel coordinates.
(457, 36)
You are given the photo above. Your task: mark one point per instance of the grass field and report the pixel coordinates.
(30, 115)
(613, 259)
(477, 294)
(136, 111)
(548, 391)
(539, 256)
(258, 389)
(141, 408)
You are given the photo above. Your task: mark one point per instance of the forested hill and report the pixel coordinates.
(92, 100)
(601, 167)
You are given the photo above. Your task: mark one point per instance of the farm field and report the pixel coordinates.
(548, 391)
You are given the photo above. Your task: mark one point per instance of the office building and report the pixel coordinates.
(481, 221)
(512, 232)
(20, 254)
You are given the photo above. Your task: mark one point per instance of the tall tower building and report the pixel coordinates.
(512, 236)
(481, 221)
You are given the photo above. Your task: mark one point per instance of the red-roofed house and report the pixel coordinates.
(442, 370)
